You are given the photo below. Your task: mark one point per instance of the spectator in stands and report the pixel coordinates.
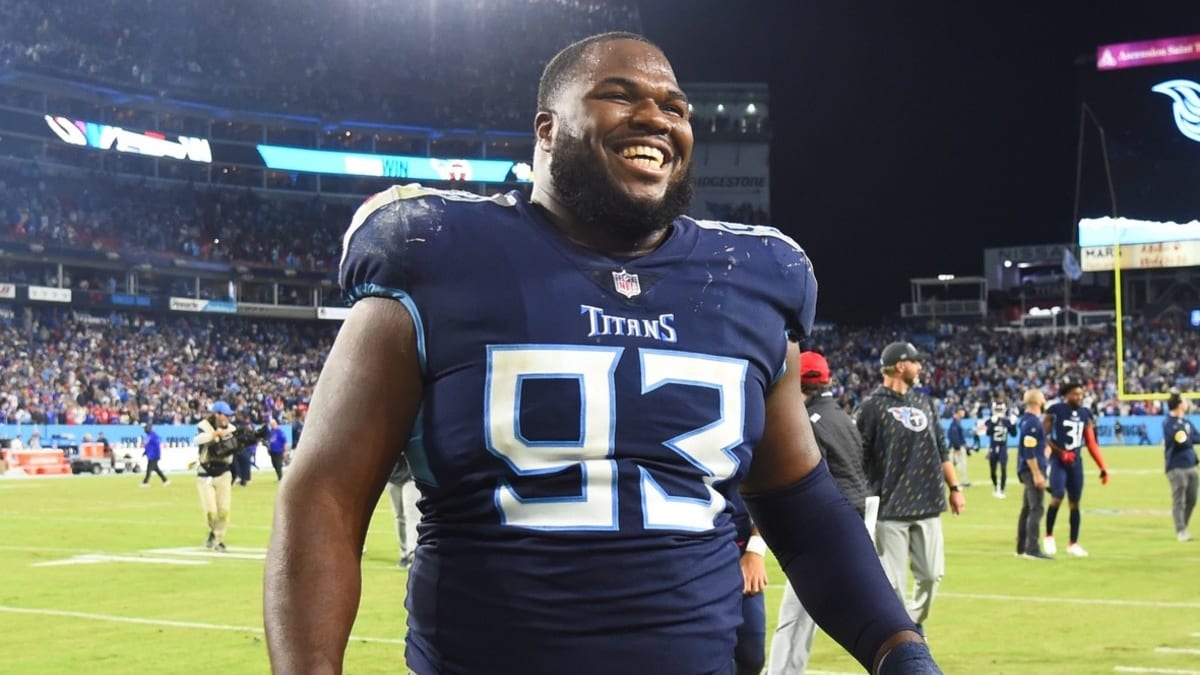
(152, 451)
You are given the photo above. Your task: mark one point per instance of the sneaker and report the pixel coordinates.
(212, 539)
(1037, 555)
(965, 483)
(220, 548)
(1049, 547)
(1076, 550)
(1001, 495)
(142, 485)
(166, 483)
(405, 562)
(1183, 535)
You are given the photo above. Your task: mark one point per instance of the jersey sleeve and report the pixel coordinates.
(800, 285)
(385, 241)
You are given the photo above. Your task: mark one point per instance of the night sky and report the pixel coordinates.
(909, 136)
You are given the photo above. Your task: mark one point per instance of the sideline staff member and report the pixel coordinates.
(214, 478)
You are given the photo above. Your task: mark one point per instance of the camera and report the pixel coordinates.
(248, 436)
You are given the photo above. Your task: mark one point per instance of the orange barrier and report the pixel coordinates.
(40, 462)
(92, 450)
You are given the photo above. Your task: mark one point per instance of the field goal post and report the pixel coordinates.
(1167, 254)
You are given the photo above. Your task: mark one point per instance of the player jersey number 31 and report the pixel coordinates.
(708, 448)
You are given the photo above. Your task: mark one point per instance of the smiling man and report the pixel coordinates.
(579, 381)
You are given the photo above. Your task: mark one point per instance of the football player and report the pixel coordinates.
(998, 428)
(579, 380)
(1069, 426)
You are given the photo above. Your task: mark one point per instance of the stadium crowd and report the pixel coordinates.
(237, 54)
(74, 367)
(101, 212)
(976, 367)
(63, 367)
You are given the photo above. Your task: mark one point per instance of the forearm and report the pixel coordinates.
(1034, 469)
(830, 561)
(1093, 447)
(312, 585)
(949, 473)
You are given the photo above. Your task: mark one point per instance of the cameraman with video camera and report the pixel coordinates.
(217, 443)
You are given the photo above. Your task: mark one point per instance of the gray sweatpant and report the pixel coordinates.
(918, 543)
(1029, 522)
(1183, 495)
(404, 506)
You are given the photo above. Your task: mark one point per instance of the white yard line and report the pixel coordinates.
(1177, 650)
(1073, 601)
(93, 558)
(257, 630)
(1163, 670)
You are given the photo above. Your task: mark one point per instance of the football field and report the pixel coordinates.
(100, 576)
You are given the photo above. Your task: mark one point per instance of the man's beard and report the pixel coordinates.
(594, 198)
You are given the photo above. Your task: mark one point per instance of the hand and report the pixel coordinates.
(958, 502)
(1104, 476)
(754, 574)
(1039, 482)
(1067, 458)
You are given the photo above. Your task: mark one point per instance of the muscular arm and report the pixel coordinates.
(368, 394)
(817, 536)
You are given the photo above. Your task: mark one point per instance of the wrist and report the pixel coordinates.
(756, 544)
(955, 487)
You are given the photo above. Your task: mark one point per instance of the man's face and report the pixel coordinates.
(621, 143)
(1075, 397)
(909, 371)
(222, 419)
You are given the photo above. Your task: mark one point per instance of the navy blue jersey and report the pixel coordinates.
(998, 431)
(1031, 442)
(1180, 438)
(1067, 425)
(585, 422)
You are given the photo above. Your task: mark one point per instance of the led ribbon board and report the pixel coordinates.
(393, 166)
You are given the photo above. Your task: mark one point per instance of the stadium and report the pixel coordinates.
(176, 189)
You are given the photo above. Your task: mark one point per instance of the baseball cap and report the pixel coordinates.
(900, 351)
(221, 408)
(814, 369)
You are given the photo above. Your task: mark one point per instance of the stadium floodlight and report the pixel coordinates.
(751, 109)
(945, 277)
(1007, 264)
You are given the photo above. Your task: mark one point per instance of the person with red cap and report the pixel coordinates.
(841, 446)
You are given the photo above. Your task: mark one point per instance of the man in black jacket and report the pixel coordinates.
(842, 448)
(907, 463)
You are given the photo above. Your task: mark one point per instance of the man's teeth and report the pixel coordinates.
(644, 155)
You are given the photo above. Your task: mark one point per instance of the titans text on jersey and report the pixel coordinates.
(619, 400)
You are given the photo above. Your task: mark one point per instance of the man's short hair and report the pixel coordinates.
(1174, 402)
(1032, 396)
(562, 65)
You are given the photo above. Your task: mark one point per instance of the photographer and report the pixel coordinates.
(217, 444)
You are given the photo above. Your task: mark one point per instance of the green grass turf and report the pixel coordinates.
(1135, 603)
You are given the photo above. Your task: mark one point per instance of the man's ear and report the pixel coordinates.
(543, 129)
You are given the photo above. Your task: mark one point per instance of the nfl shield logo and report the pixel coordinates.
(626, 283)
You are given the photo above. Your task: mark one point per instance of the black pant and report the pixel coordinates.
(152, 465)
(277, 463)
(1029, 523)
(241, 468)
